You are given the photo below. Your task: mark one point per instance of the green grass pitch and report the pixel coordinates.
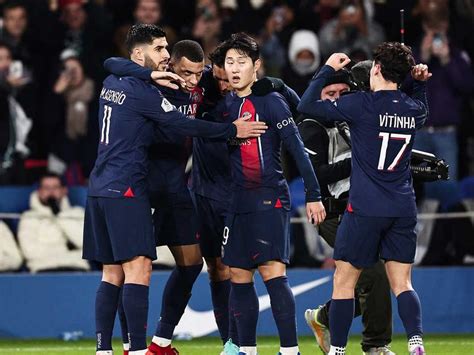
(435, 345)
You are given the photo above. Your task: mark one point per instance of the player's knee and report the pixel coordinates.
(400, 286)
(114, 276)
(240, 275)
(217, 270)
(272, 270)
(138, 270)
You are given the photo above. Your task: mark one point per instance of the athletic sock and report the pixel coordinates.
(123, 324)
(337, 350)
(293, 350)
(245, 304)
(233, 332)
(341, 314)
(284, 310)
(220, 291)
(106, 302)
(176, 295)
(162, 342)
(248, 350)
(135, 304)
(409, 310)
(323, 314)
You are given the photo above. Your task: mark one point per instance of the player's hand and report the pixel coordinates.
(338, 61)
(420, 72)
(247, 129)
(168, 79)
(315, 212)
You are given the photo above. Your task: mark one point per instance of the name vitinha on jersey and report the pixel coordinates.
(117, 97)
(395, 121)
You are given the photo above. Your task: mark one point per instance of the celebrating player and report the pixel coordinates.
(381, 215)
(118, 226)
(256, 235)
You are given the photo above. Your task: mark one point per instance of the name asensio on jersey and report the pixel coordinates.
(117, 97)
(395, 121)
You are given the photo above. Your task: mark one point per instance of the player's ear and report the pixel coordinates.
(257, 64)
(137, 52)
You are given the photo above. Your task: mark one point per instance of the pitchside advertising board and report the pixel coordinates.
(47, 305)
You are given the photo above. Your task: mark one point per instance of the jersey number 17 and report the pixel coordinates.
(386, 137)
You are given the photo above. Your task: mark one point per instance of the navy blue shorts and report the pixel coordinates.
(362, 241)
(175, 220)
(117, 230)
(251, 239)
(211, 218)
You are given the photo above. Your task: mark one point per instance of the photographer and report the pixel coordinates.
(330, 153)
(50, 233)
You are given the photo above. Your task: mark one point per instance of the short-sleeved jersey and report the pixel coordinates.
(169, 155)
(258, 181)
(129, 109)
(383, 126)
(211, 176)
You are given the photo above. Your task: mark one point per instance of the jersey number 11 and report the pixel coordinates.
(104, 137)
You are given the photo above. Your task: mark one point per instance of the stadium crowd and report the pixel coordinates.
(51, 73)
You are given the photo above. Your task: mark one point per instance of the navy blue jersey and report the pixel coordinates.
(383, 126)
(258, 180)
(169, 155)
(211, 175)
(129, 109)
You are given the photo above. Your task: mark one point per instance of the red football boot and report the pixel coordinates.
(155, 349)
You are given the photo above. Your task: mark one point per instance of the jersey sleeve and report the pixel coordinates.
(125, 67)
(158, 109)
(347, 108)
(280, 118)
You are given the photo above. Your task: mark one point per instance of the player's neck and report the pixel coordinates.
(246, 91)
(385, 85)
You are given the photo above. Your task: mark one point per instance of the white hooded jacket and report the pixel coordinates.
(304, 40)
(43, 237)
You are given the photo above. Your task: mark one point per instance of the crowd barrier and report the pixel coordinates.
(46, 305)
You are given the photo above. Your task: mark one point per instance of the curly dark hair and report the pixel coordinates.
(395, 59)
(142, 34)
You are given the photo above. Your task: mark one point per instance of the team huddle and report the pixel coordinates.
(157, 109)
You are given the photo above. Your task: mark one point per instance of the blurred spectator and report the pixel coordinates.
(304, 59)
(274, 38)
(10, 255)
(147, 12)
(14, 124)
(207, 25)
(50, 233)
(314, 14)
(452, 81)
(75, 110)
(351, 31)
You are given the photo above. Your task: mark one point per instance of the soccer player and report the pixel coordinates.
(168, 189)
(256, 235)
(118, 226)
(381, 214)
(329, 148)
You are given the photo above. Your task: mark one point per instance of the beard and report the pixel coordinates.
(150, 64)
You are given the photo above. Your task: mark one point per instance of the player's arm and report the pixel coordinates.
(420, 74)
(161, 111)
(280, 117)
(316, 142)
(269, 84)
(125, 67)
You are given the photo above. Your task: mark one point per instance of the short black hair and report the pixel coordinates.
(4, 44)
(142, 34)
(51, 175)
(13, 4)
(217, 56)
(243, 44)
(395, 59)
(361, 75)
(342, 76)
(189, 49)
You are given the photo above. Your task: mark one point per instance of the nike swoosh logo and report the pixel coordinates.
(201, 323)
